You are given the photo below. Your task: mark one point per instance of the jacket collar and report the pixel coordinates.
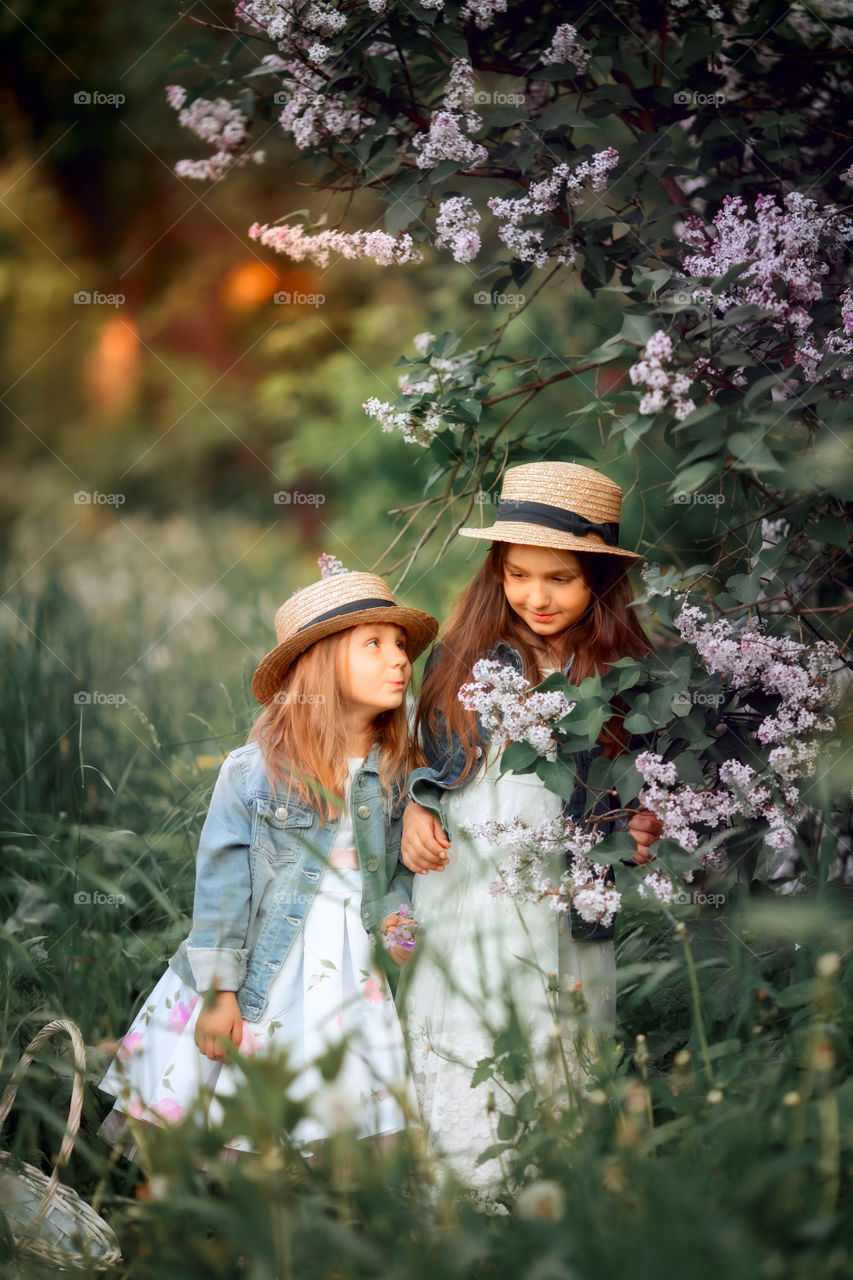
(502, 650)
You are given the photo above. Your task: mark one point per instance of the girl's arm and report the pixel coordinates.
(223, 887)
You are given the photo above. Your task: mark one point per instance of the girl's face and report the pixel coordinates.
(545, 587)
(376, 666)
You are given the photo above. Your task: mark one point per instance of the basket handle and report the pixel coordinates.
(75, 1110)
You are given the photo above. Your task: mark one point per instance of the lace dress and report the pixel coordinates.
(477, 952)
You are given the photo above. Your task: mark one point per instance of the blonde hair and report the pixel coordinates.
(303, 737)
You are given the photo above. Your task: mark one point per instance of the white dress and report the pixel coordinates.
(327, 987)
(476, 951)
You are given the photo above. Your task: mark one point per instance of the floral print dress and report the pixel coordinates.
(328, 987)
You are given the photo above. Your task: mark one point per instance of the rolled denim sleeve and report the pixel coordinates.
(216, 947)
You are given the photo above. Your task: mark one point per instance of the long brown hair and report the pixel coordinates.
(607, 631)
(302, 731)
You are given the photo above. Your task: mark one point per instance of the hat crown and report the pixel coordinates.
(310, 603)
(566, 485)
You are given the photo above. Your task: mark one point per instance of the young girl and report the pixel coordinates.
(552, 594)
(290, 893)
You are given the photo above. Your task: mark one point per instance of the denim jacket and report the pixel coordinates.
(447, 761)
(258, 866)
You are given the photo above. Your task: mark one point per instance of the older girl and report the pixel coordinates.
(552, 594)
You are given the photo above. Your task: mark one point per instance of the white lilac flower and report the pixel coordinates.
(564, 47)
(456, 228)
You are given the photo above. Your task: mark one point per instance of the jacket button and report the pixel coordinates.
(372, 865)
(363, 810)
(281, 813)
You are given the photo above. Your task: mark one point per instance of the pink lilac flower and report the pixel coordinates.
(787, 250)
(378, 245)
(330, 565)
(665, 388)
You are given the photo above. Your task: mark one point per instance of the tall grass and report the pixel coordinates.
(714, 1135)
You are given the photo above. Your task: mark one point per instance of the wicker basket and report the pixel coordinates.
(49, 1222)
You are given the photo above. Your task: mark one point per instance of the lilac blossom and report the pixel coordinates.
(383, 248)
(665, 388)
(456, 228)
(657, 885)
(447, 137)
(218, 122)
(788, 251)
(415, 430)
(563, 186)
(564, 47)
(500, 697)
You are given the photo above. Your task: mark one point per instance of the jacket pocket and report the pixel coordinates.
(277, 830)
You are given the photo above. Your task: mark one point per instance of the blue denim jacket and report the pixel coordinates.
(447, 761)
(258, 866)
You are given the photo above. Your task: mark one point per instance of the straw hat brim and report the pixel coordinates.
(535, 535)
(420, 627)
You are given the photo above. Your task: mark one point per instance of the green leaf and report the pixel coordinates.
(519, 757)
(507, 1125)
(558, 775)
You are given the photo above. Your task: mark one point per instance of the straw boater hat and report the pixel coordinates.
(344, 599)
(558, 504)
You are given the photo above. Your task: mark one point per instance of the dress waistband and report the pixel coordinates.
(344, 858)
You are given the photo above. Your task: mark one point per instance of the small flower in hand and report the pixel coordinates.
(398, 934)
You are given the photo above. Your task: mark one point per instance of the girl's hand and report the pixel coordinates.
(221, 1022)
(424, 842)
(402, 955)
(646, 829)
